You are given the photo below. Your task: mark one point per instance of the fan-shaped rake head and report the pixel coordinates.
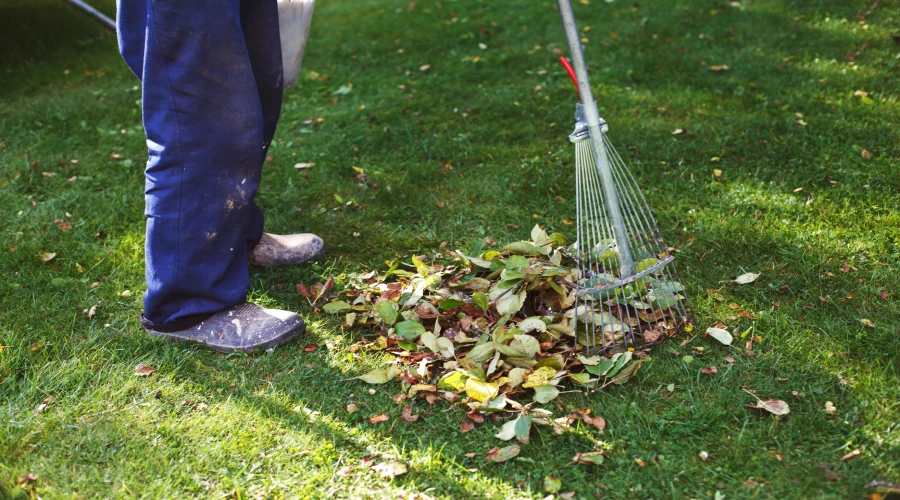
(629, 294)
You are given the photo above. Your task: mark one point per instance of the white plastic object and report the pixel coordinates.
(294, 18)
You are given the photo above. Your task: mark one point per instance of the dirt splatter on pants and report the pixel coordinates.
(212, 84)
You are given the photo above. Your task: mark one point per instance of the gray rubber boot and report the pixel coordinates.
(245, 327)
(285, 250)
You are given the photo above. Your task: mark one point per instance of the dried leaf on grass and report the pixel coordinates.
(390, 469)
(143, 370)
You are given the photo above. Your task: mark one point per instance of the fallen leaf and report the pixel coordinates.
(343, 471)
(92, 312)
(304, 165)
(377, 419)
(552, 484)
(717, 172)
(63, 225)
(773, 406)
(830, 409)
(567, 495)
(746, 278)
(466, 426)
(718, 68)
(390, 469)
(711, 371)
(46, 256)
(407, 414)
(498, 454)
(640, 462)
(351, 408)
(591, 457)
(310, 348)
(43, 406)
(703, 455)
(884, 295)
(381, 375)
(679, 131)
(867, 322)
(720, 334)
(28, 478)
(866, 154)
(424, 67)
(853, 454)
(143, 370)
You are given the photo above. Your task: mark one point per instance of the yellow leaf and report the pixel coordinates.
(541, 376)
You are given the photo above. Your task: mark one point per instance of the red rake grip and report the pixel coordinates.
(571, 72)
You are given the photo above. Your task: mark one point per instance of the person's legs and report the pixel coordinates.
(212, 80)
(207, 134)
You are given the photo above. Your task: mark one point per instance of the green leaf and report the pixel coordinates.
(447, 304)
(408, 346)
(527, 344)
(480, 390)
(623, 359)
(381, 375)
(552, 484)
(581, 378)
(603, 366)
(670, 286)
(481, 300)
(593, 457)
(510, 303)
(503, 454)
(516, 262)
(337, 307)
(481, 352)
(523, 428)
(526, 248)
(545, 393)
(508, 431)
(453, 381)
(409, 329)
(386, 310)
(628, 372)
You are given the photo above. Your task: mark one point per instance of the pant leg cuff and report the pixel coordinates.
(182, 324)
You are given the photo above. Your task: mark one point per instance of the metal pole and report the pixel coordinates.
(96, 14)
(592, 116)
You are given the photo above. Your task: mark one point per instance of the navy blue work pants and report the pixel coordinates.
(212, 82)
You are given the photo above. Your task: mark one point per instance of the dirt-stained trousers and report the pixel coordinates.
(212, 83)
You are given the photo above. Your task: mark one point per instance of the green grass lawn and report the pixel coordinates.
(788, 167)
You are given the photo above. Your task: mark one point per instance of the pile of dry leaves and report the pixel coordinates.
(498, 332)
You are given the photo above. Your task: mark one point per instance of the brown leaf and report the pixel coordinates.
(731, 360)
(377, 419)
(884, 295)
(597, 422)
(116, 156)
(343, 471)
(567, 495)
(853, 454)
(46, 256)
(466, 426)
(650, 335)
(310, 348)
(866, 154)
(718, 68)
(143, 370)
(497, 454)
(640, 462)
(867, 322)
(431, 397)
(407, 414)
(329, 284)
(711, 371)
(63, 225)
(475, 416)
(303, 290)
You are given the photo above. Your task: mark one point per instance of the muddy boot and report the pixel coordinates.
(284, 250)
(245, 327)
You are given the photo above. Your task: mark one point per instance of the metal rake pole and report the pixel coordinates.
(592, 116)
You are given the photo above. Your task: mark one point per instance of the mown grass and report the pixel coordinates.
(471, 148)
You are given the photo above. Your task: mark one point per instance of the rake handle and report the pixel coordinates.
(592, 117)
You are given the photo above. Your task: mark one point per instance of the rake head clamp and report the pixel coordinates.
(628, 293)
